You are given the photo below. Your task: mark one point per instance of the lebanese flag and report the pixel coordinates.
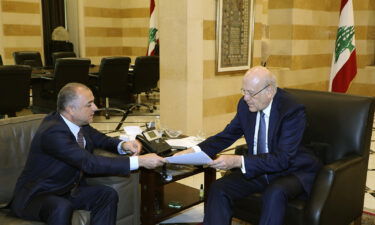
(153, 34)
(344, 64)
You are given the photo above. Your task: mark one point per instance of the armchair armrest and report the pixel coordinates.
(337, 184)
(127, 189)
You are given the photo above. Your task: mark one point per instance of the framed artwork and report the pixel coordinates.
(234, 34)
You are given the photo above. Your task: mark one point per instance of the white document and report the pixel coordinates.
(187, 142)
(130, 133)
(195, 158)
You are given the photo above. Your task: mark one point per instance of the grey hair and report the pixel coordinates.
(68, 95)
(272, 81)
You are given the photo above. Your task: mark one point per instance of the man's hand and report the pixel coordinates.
(133, 146)
(187, 151)
(150, 161)
(226, 162)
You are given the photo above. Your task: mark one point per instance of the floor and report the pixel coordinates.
(195, 214)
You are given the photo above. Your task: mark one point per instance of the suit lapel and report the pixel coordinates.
(250, 120)
(89, 145)
(274, 118)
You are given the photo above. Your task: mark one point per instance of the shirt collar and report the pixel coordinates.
(72, 127)
(267, 110)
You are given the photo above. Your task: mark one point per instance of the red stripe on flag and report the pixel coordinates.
(345, 75)
(343, 3)
(152, 6)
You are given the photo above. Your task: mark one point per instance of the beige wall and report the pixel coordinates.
(114, 27)
(300, 34)
(21, 28)
(301, 37)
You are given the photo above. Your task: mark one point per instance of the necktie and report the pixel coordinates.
(80, 139)
(261, 144)
(81, 143)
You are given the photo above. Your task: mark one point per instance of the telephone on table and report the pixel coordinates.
(153, 143)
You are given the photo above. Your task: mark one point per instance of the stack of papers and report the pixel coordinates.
(187, 142)
(196, 158)
(130, 133)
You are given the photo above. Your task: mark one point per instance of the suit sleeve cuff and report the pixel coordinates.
(119, 148)
(243, 169)
(134, 162)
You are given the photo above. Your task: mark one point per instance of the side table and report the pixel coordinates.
(157, 192)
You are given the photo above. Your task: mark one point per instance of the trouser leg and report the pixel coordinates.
(275, 199)
(100, 200)
(51, 209)
(223, 192)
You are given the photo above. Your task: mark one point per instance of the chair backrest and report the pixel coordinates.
(338, 125)
(113, 76)
(30, 58)
(71, 70)
(14, 88)
(59, 55)
(146, 73)
(16, 134)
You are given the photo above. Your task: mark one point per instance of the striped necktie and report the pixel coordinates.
(80, 140)
(261, 143)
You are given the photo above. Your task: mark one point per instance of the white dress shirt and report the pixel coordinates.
(75, 129)
(267, 112)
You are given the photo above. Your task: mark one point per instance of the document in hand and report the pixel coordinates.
(196, 158)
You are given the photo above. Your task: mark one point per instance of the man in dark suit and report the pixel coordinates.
(276, 164)
(51, 185)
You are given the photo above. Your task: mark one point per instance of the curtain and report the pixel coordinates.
(53, 14)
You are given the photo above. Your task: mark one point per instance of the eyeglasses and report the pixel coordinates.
(247, 92)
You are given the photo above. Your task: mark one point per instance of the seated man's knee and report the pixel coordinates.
(275, 192)
(58, 210)
(217, 187)
(110, 194)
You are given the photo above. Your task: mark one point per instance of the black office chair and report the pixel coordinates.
(67, 70)
(31, 58)
(59, 55)
(14, 88)
(339, 128)
(144, 78)
(112, 82)
(1, 61)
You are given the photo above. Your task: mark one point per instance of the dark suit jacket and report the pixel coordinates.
(286, 127)
(55, 160)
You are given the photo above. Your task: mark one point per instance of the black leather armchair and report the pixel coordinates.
(59, 55)
(16, 134)
(14, 88)
(145, 77)
(112, 82)
(31, 58)
(67, 70)
(339, 131)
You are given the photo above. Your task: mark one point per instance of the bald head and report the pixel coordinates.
(259, 86)
(260, 75)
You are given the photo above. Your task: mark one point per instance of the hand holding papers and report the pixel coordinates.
(195, 158)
